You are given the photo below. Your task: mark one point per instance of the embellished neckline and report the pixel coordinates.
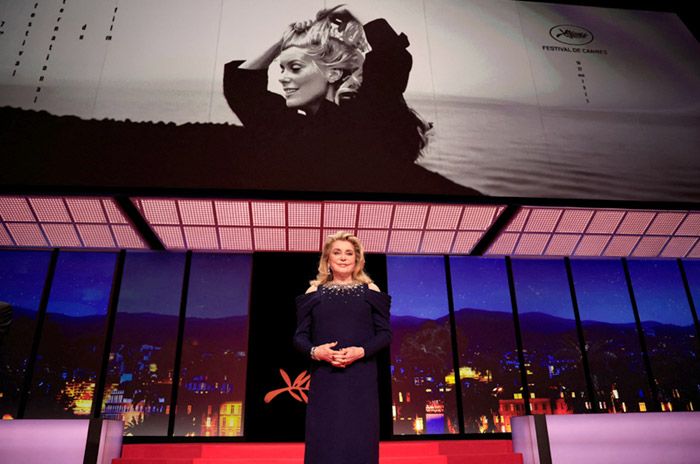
(334, 286)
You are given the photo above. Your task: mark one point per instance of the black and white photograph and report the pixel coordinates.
(468, 98)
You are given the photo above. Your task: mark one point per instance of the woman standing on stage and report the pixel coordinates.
(342, 323)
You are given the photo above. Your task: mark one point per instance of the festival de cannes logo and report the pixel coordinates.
(571, 35)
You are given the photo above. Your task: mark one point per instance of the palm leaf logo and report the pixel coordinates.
(296, 389)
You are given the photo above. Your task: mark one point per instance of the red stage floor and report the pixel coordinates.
(397, 452)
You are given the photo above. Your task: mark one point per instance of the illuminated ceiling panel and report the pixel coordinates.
(562, 244)
(16, 209)
(404, 241)
(202, 238)
(232, 213)
(695, 253)
(574, 221)
(442, 217)
(598, 232)
(161, 212)
(375, 215)
(532, 244)
(340, 215)
(236, 238)
(665, 223)
(605, 222)
(270, 239)
(650, 246)
(62, 235)
(592, 245)
(543, 220)
(479, 217)
(86, 210)
(304, 239)
(678, 246)
(413, 228)
(66, 222)
(518, 222)
(127, 237)
(621, 245)
(504, 244)
(5, 239)
(171, 236)
(94, 235)
(635, 222)
(114, 214)
(28, 234)
(195, 212)
(465, 241)
(407, 216)
(268, 213)
(384, 227)
(49, 209)
(304, 214)
(438, 242)
(690, 226)
(375, 241)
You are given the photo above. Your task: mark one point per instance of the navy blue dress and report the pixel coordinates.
(342, 417)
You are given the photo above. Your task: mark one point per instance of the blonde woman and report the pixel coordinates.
(342, 323)
(336, 92)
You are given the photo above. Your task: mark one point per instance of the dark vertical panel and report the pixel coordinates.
(72, 339)
(41, 317)
(178, 345)
(455, 349)
(215, 347)
(550, 340)
(376, 266)
(690, 272)
(98, 404)
(613, 349)
(591, 404)
(488, 358)
(423, 374)
(272, 325)
(669, 330)
(653, 404)
(138, 380)
(22, 278)
(525, 396)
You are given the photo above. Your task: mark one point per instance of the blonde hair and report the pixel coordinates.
(335, 39)
(358, 274)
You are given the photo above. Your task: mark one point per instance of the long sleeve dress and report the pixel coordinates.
(342, 417)
(375, 131)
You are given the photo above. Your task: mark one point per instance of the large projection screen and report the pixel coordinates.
(525, 99)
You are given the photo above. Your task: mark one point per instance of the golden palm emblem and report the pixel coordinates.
(296, 389)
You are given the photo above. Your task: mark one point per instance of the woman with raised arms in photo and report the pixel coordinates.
(342, 323)
(342, 86)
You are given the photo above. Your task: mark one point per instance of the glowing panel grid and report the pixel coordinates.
(384, 227)
(273, 225)
(550, 231)
(66, 222)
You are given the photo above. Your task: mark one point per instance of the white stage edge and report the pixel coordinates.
(634, 438)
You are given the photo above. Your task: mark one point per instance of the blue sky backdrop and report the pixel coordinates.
(22, 277)
(417, 286)
(82, 284)
(480, 283)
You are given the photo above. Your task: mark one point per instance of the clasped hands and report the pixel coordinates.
(338, 358)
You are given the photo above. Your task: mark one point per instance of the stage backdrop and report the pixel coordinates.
(527, 99)
(199, 344)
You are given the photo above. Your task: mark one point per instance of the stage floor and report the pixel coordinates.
(395, 452)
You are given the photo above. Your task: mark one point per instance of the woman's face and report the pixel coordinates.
(305, 85)
(342, 258)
